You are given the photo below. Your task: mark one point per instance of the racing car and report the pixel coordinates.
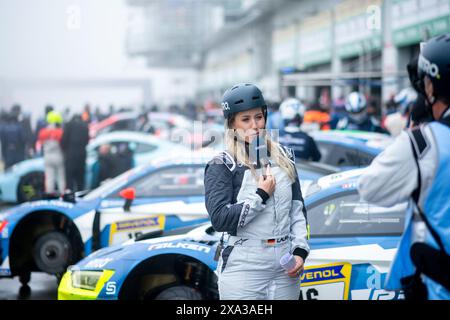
(25, 180)
(168, 193)
(349, 148)
(352, 245)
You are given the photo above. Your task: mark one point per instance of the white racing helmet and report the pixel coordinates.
(405, 98)
(356, 106)
(292, 109)
(355, 103)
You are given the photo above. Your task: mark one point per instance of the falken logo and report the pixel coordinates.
(225, 106)
(429, 68)
(179, 245)
(98, 263)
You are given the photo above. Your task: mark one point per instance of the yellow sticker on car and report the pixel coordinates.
(326, 282)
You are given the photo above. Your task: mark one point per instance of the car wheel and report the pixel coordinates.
(179, 293)
(31, 187)
(52, 252)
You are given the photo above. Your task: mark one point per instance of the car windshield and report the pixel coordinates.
(110, 185)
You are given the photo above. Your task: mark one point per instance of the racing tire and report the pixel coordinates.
(31, 187)
(179, 293)
(52, 252)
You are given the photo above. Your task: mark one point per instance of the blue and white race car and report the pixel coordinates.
(49, 235)
(349, 148)
(352, 245)
(25, 180)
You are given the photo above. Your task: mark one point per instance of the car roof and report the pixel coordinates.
(354, 137)
(131, 136)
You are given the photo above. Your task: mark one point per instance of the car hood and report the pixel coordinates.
(195, 241)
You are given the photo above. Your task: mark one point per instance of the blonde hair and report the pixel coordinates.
(237, 149)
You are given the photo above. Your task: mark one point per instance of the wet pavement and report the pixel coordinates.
(43, 287)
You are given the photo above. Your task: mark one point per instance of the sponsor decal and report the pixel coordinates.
(137, 224)
(322, 274)
(240, 242)
(179, 245)
(225, 106)
(326, 282)
(129, 229)
(111, 287)
(429, 68)
(48, 203)
(5, 272)
(98, 263)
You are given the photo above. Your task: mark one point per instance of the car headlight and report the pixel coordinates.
(87, 280)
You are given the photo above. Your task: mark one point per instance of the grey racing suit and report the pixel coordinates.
(260, 229)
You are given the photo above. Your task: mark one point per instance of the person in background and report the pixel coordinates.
(123, 158)
(304, 147)
(50, 139)
(144, 125)
(25, 122)
(41, 123)
(274, 120)
(86, 116)
(316, 118)
(357, 117)
(337, 112)
(13, 140)
(74, 142)
(397, 121)
(104, 167)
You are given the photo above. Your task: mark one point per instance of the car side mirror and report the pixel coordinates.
(129, 194)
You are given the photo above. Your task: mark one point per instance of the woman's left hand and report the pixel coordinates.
(298, 269)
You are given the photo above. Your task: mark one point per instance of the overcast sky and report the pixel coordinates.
(74, 40)
(55, 38)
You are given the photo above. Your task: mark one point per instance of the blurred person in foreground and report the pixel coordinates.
(357, 116)
(74, 142)
(50, 139)
(304, 147)
(416, 168)
(252, 192)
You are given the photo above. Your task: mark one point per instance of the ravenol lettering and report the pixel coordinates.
(133, 224)
(322, 274)
(429, 68)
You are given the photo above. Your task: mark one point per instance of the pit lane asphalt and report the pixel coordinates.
(43, 286)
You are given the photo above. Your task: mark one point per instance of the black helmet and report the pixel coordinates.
(242, 97)
(434, 62)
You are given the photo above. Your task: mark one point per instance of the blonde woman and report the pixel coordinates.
(253, 195)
